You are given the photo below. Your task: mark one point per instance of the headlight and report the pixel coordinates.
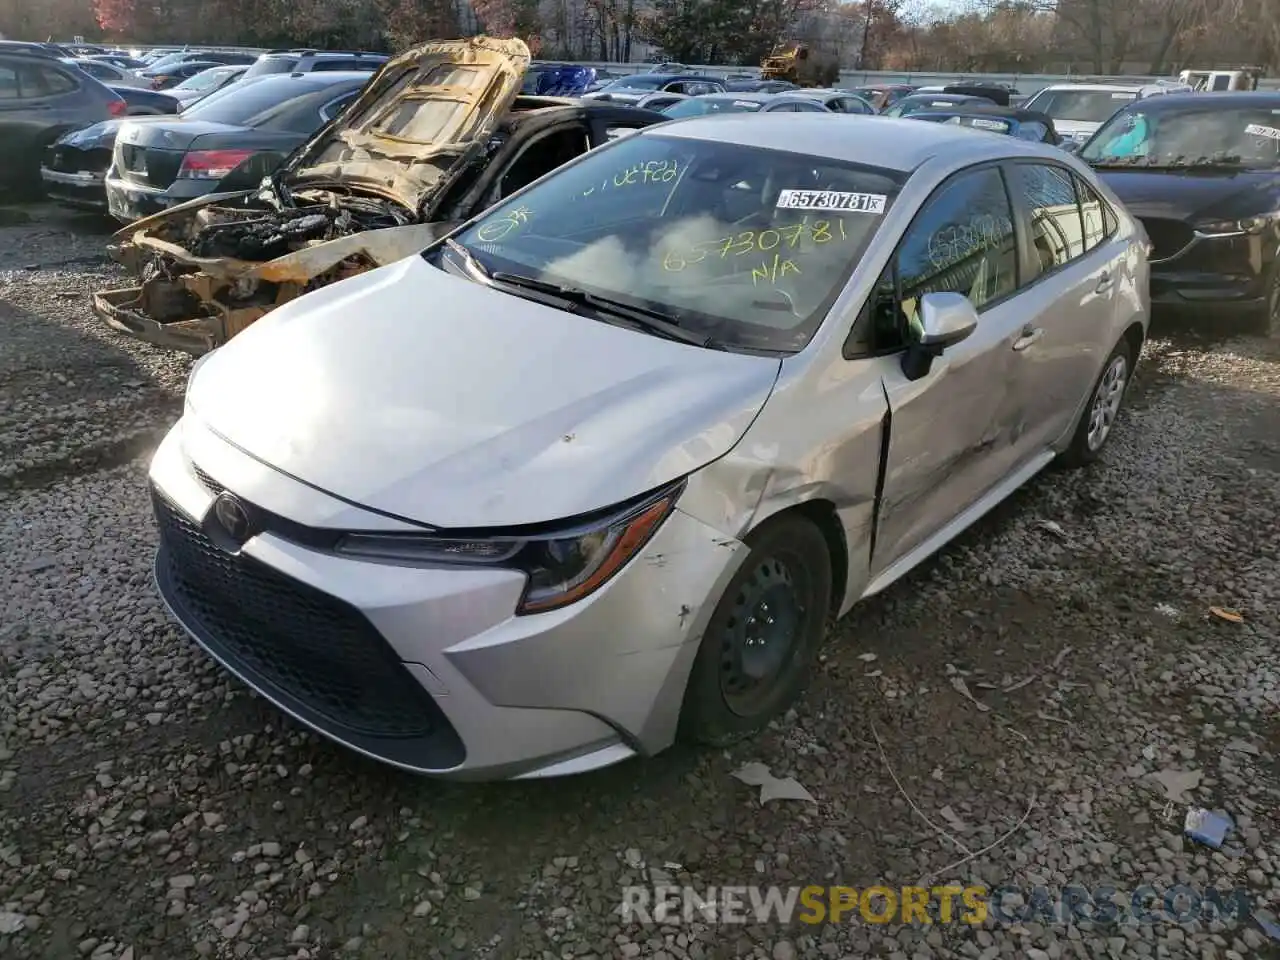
(1233, 228)
(562, 566)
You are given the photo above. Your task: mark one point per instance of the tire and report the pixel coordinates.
(785, 577)
(1097, 420)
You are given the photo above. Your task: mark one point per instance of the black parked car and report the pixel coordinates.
(923, 101)
(205, 83)
(228, 142)
(40, 99)
(1202, 173)
(74, 168)
(170, 75)
(1010, 121)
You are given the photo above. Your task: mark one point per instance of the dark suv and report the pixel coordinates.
(40, 99)
(305, 61)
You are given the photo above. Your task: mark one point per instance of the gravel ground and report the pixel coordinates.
(151, 807)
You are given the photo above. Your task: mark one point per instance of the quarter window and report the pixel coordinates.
(1099, 221)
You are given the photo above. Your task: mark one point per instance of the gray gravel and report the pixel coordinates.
(151, 807)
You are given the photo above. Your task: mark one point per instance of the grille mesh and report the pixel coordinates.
(312, 647)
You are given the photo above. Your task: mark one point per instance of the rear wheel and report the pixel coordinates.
(1094, 429)
(762, 639)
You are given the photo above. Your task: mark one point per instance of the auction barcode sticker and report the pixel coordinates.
(1258, 130)
(832, 200)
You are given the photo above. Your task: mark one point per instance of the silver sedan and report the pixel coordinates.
(591, 473)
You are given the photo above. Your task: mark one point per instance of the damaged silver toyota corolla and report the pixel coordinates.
(439, 134)
(595, 469)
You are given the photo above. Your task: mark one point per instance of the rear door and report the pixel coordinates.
(38, 102)
(1072, 269)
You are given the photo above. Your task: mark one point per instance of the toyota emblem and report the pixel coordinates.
(233, 517)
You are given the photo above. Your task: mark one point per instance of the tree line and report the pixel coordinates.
(1030, 36)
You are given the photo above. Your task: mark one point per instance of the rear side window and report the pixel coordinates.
(36, 80)
(8, 83)
(1057, 231)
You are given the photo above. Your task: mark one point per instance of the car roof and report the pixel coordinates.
(1097, 87)
(891, 143)
(1242, 98)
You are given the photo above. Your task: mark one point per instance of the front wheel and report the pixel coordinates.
(762, 639)
(1099, 417)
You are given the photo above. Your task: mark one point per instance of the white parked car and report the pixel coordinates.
(593, 471)
(1079, 109)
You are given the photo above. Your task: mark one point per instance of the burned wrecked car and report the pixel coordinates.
(439, 134)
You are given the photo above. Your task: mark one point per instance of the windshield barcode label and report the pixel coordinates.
(1258, 130)
(832, 200)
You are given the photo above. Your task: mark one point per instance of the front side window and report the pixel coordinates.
(1056, 228)
(962, 241)
(744, 245)
(1192, 135)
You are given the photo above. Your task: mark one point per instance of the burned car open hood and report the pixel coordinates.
(420, 117)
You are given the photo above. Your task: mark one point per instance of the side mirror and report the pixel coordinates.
(943, 320)
(1071, 146)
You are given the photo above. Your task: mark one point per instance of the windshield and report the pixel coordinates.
(912, 104)
(990, 124)
(1243, 136)
(1087, 106)
(744, 245)
(205, 79)
(699, 106)
(240, 103)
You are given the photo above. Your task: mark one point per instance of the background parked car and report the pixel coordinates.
(1011, 121)
(226, 142)
(142, 102)
(756, 85)
(837, 101)
(632, 90)
(204, 83)
(121, 60)
(743, 103)
(305, 61)
(204, 56)
(108, 73)
(163, 78)
(885, 95)
(923, 101)
(40, 99)
(558, 80)
(1078, 109)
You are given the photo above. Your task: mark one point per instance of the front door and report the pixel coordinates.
(947, 442)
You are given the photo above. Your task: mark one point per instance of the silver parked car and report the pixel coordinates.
(592, 472)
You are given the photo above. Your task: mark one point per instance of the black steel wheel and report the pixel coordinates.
(760, 643)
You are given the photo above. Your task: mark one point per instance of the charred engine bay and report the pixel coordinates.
(260, 235)
(256, 235)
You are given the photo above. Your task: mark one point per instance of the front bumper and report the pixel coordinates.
(84, 190)
(427, 668)
(123, 310)
(1223, 278)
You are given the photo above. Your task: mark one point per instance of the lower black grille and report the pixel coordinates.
(1168, 237)
(73, 160)
(303, 646)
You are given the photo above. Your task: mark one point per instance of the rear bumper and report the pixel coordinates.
(84, 190)
(128, 200)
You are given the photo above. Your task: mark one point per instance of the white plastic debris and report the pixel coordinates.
(1166, 610)
(963, 689)
(1052, 526)
(866, 657)
(756, 774)
(1176, 783)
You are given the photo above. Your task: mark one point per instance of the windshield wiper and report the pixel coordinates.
(468, 259)
(654, 321)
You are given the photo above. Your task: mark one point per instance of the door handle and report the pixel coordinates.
(1028, 337)
(1104, 282)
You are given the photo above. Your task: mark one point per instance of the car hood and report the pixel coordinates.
(1195, 195)
(421, 118)
(448, 403)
